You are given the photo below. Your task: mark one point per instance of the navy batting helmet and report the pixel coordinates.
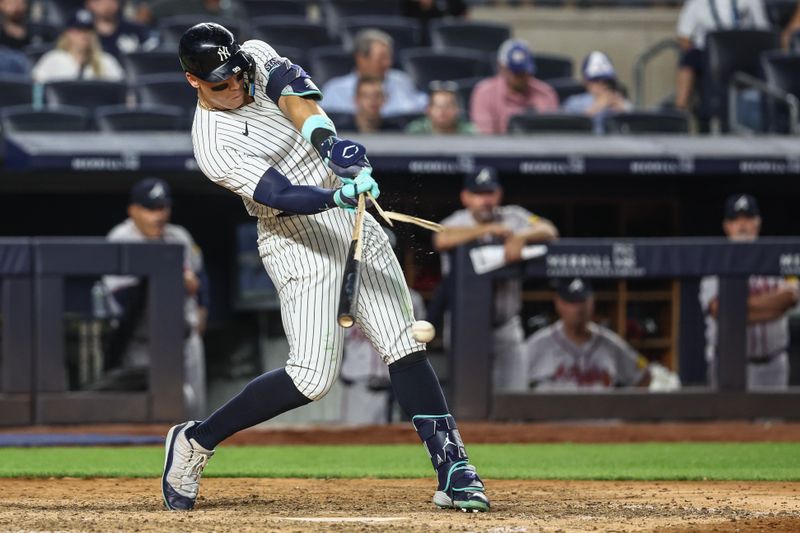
(211, 53)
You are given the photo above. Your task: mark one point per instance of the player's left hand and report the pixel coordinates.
(346, 158)
(346, 196)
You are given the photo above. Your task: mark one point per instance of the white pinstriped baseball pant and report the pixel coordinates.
(304, 256)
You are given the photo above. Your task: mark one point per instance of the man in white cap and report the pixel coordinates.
(514, 90)
(602, 97)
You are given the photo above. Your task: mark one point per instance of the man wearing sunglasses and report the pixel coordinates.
(259, 131)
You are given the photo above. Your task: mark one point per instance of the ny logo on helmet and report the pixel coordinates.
(223, 53)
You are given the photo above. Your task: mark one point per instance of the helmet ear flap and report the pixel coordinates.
(249, 73)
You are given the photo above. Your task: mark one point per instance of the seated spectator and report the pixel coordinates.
(427, 10)
(13, 62)
(117, 35)
(78, 55)
(697, 18)
(514, 90)
(14, 31)
(373, 58)
(369, 99)
(602, 97)
(578, 354)
(442, 116)
(150, 11)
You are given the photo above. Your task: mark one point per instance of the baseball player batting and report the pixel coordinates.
(259, 131)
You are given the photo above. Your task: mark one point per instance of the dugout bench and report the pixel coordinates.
(33, 367)
(471, 395)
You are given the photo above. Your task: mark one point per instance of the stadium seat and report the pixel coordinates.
(549, 123)
(728, 52)
(268, 8)
(647, 122)
(28, 119)
(335, 11)
(145, 118)
(171, 28)
(484, 36)
(552, 66)
(326, 62)
(291, 31)
(782, 70)
(404, 31)
(167, 89)
(426, 64)
(42, 32)
(34, 52)
(16, 90)
(59, 11)
(85, 93)
(464, 89)
(566, 87)
(153, 62)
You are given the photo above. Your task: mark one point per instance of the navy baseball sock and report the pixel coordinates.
(265, 397)
(416, 386)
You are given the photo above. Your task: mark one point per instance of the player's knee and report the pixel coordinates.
(410, 360)
(315, 384)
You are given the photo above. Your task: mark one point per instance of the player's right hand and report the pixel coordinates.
(346, 196)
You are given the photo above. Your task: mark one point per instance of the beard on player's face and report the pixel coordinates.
(232, 96)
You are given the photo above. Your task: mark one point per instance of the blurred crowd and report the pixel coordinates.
(416, 66)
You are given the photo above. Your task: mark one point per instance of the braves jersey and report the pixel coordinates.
(557, 363)
(235, 147)
(507, 293)
(764, 339)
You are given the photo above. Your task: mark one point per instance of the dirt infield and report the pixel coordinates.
(479, 432)
(233, 505)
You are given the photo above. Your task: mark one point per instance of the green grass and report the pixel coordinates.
(649, 461)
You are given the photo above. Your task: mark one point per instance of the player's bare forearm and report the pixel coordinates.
(541, 231)
(772, 306)
(763, 307)
(299, 109)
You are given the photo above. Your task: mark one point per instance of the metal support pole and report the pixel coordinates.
(470, 339)
(731, 357)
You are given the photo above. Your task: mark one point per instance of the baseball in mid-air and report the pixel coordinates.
(423, 331)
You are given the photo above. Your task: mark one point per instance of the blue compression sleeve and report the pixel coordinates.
(276, 191)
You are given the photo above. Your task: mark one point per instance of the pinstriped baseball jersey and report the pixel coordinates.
(304, 255)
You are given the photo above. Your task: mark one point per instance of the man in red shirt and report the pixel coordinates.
(512, 91)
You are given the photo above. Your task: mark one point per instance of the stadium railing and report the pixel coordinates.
(470, 381)
(33, 368)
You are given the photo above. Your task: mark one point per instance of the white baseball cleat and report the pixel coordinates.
(183, 465)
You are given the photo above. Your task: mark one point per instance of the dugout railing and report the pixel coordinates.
(34, 384)
(471, 394)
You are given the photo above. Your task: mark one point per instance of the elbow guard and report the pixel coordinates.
(285, 78)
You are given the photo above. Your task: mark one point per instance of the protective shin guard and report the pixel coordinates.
(459, 484)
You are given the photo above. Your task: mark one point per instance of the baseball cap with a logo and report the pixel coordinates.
(151, 193)
(516, 55)
(82, 19)
(597, 66)
(484, 179)
(574, 290)
(741, 205)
